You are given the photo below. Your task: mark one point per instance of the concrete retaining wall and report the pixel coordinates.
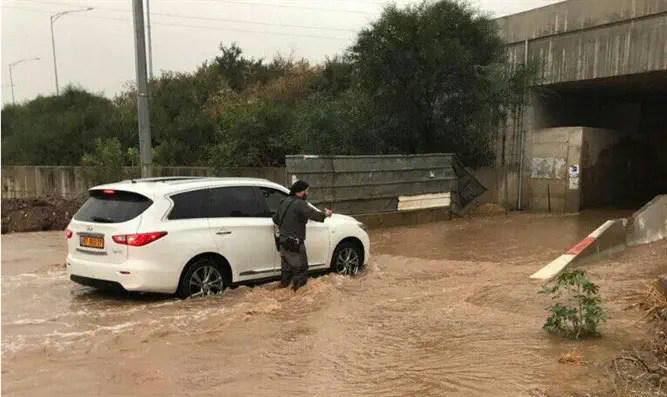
(501, 184)
(649, 224)
(569, 168)
(427, 185)
(31, 182)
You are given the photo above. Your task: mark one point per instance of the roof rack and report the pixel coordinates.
(167, 179)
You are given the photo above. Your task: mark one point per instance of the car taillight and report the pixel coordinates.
(138, 240)
(68, 234)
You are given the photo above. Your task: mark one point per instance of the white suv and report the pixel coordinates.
(195, 236)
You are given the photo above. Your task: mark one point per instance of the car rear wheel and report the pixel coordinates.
(347, 259)
(203, 278)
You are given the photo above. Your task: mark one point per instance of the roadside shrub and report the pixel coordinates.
(105, 164)
(423, 78)
(576, 312)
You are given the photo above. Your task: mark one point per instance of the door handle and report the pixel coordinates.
(223, 233)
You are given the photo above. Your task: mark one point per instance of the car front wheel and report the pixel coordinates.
(347, 259)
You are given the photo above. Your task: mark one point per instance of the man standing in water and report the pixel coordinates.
(291, 218)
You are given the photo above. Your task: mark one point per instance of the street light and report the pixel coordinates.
(11, 78)
(54, 18)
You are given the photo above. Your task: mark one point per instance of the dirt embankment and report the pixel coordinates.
(485, 209)
(39, 214)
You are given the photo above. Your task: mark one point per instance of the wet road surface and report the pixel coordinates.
(443, 309)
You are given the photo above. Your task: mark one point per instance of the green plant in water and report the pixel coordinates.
(576, 312)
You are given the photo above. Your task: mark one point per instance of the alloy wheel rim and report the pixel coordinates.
(206, 281)
(347, 262)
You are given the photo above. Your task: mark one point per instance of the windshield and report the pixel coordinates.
(111, 206)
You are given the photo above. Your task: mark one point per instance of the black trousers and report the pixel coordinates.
(293, 267)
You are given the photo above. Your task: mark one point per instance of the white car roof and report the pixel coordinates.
(157, 187)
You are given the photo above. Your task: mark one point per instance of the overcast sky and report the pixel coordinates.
(95, 49)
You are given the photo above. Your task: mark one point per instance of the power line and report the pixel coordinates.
(289, 6)
(373, 2)
(251, 22)
(252, 31)
(251, 3)
(290, 3)
(193, 17)
(191, 25)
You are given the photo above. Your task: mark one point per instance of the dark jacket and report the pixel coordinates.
(296, 216)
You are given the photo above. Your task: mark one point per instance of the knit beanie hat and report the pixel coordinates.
(297, 187)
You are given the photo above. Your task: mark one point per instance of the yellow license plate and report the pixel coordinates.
(92, 242)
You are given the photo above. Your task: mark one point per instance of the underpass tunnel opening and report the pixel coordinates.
(624, 152)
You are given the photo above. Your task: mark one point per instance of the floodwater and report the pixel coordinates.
(443, 309)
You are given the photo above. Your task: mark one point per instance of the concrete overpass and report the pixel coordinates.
(600, 103)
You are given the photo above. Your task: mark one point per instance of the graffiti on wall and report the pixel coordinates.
(548, 168)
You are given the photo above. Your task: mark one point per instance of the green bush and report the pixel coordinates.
(56, 130)
(104, 164)
(420, 79)
(251, 135)
(576, 313)
(437, 71)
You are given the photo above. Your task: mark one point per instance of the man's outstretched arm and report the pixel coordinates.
(311, 213)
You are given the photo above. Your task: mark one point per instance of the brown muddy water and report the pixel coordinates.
(444, 309)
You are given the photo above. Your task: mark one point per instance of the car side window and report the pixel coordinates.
(190, 205)
(272, 199)
(234, 202)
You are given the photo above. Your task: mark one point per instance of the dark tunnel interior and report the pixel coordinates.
(633, 106)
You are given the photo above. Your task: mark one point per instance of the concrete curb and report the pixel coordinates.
(647, 225)
(606, 239)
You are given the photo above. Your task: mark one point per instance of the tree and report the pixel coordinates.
(251, 135)
(343, 125)
(426, 78)
(105, 163)
(56, 130)
(434, 69)
(240, 72)
(334, 77)
(133, 157)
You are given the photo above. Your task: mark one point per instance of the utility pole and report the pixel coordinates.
(54, 18)
(55, 64)
(150, 41)
(143, 115)
(11, 77)
(523, 130)
(11, 84)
